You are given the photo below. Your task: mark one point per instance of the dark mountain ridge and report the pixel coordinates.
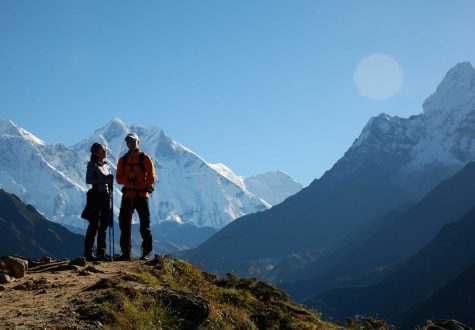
(450, 253)
(376, 248)
(24, 231)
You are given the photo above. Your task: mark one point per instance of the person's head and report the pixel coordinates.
(98, 152)
(132, 141)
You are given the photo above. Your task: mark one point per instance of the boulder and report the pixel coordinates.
(16, 266)
(81, 261)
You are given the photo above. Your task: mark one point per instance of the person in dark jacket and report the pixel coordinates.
(97, 210)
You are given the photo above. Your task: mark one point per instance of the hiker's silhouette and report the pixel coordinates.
(136, 172)
(97, 210)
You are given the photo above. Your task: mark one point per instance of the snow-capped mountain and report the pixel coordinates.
(394, 162)
(26, 172)
(273, 187)
(424, 149)
(189, 190)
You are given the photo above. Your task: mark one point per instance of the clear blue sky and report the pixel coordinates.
(255, 84)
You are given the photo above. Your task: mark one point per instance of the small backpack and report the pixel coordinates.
(142, 167)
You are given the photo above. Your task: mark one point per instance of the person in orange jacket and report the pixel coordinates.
(136, 172)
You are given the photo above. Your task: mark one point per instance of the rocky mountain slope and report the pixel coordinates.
(24, 231)
(374, 250)
(447, 256)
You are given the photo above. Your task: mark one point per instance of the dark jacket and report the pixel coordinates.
(96, 175)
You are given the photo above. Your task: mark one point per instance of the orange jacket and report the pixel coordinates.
(142, 180)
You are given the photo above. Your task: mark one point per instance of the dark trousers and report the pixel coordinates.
(98, 224)
(127, 207)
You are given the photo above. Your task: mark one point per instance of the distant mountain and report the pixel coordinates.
(25, 232)
(450, 253)
(373, 250)
(273, 187)
(394, 161)
(189, 191)
(27, 169)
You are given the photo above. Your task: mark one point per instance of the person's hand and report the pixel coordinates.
(109, 179)
(132, 179)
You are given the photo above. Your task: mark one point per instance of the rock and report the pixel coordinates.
(46, 260)
(28, 285)
(2, 288)
(81, 261)
(93, 269)
(42, 282)
(17, 267)
(85, 273)
(4, 279)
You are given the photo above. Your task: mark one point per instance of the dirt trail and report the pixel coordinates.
(49, 296)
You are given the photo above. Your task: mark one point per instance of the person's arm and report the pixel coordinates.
(150, 169)
(120, 175)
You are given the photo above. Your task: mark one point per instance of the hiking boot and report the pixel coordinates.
(145, 253)
(123, 257)
(90, 258)
(103, 257)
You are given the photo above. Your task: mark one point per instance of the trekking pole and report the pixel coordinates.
(112, 216)
(111, 223)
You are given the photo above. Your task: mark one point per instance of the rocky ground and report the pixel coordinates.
(163, 293)
(54, 294)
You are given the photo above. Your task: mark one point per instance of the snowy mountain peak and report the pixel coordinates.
(273, 186)
(8, 127)
(455, 92)
(423, 148)
(115, 128)
(118, 121)
(379, 128)
(227, 173)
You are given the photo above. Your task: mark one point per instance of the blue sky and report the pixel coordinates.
(257, 85)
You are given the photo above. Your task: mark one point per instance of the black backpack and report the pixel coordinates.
(142, 167)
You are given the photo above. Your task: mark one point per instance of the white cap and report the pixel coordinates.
(132, 136)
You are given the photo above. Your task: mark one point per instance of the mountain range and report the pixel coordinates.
(371, 199)
(189, 191)
(394, 162)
